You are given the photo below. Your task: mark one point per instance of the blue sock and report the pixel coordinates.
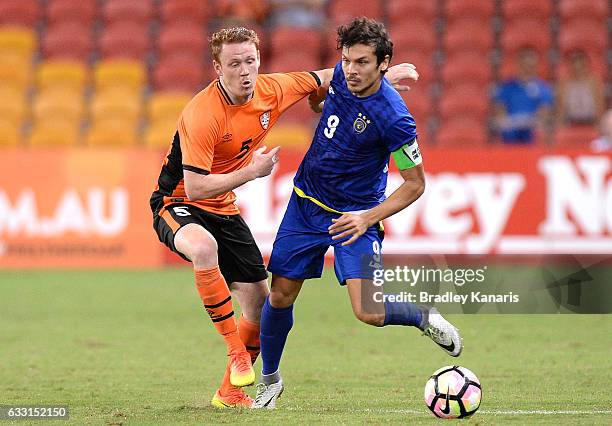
(275, 326)
(403, 313)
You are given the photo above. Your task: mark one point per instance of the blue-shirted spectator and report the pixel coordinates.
(523, 104)
(298, 13)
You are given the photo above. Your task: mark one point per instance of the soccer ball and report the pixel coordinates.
(453, 392)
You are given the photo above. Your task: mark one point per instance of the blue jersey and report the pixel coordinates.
(347, 164)
(522, 101)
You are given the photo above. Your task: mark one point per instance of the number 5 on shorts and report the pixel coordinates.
(181, 211)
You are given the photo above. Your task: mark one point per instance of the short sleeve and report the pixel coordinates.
(293, 86)
(400, 133)
(198, 138)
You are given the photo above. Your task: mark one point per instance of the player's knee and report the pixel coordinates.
(198, 245)
(281, 298)
(203, 252)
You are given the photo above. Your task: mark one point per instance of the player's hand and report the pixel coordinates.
(315, 100)
(262, 164)
(404, 71)
(351, 224)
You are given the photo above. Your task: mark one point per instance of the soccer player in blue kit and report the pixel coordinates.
(339, 200)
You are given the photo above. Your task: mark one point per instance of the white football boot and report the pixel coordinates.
(443, 333)
(267, 395)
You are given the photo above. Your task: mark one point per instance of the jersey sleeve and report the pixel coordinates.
(293, 86)
(198, 138)
(401, 132)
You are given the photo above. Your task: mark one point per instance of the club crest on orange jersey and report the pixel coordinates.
(264, 119)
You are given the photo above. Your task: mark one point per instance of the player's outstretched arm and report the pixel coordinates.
(403, 71)
(202, 187)
(325, 76)
(355, 225)
(316, 99)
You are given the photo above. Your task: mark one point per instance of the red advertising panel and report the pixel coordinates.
(89, 208)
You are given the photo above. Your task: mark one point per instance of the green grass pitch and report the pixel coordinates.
(136, 347)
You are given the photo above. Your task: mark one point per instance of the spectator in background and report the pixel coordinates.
(242, 12)
(604, 142)
(580, 93)
(298, 13)
(523, 104)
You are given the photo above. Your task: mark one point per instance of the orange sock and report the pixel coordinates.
(218, 303)
(249, 334)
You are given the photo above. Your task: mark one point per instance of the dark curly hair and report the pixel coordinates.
(369, 32)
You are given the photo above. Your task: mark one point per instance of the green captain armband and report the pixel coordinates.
(407, 156)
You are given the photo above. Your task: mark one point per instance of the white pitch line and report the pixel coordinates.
(487, 412)
(546, 412)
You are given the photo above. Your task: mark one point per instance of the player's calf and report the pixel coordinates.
(377, 320)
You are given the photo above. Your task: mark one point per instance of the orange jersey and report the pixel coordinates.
(215, 136)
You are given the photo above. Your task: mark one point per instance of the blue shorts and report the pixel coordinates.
(303, 238)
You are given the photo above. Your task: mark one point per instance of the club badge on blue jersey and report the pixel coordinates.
(360, 123)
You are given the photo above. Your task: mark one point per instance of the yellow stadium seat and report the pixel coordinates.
(19, 40)
(55, 132)
(167, 106)
(112, 133)
(10, 133)
(15, 71)
(69, 74)
(120, 104)
(13, 104)
(293, 135)
(160, 133)
(57, 103)
(120, 73)
(16, 60)
(16, 49)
